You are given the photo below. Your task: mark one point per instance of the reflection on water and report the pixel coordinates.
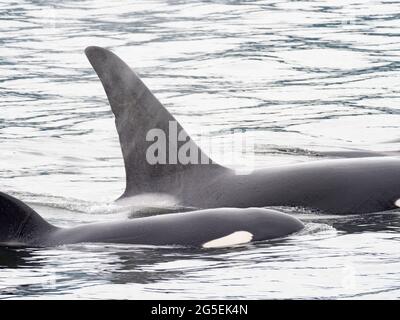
(304, 79)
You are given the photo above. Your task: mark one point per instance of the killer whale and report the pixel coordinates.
(341, 186)
(20, 225)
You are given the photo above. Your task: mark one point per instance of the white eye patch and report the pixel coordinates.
(237, 237)
(397, 203)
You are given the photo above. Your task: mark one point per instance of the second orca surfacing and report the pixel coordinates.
(20, 225)
(342, 186)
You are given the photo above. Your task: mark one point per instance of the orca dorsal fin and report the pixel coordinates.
(19, 223)
(137, 111)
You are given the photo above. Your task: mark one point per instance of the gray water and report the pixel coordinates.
(299, 77)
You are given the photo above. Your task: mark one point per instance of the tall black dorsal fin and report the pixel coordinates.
(137, 111)
(19, 223)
